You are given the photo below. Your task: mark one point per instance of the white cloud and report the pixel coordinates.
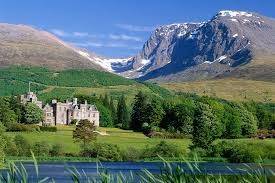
(124, 37)
(135, 28)
(104, 45)
(87, 44)
(59, 32)
(81, 34)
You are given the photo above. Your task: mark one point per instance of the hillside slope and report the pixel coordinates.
(230, 89)
(65, 84)
(24, 45)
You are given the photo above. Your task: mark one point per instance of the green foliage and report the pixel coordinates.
(153, 113)
(23, 145)
(105, 118)
(48, 128)
(16, 86)
(102, 151)
(11, 148)
(18, 127)
(123, 116)
(33, 114)
(163, 149)
(41, 148)
(84, 132)
(159, 90)
(113, 110)
(2, 152)
(232, 123)
(69, 78)
(131, 154)
(206, 128)
(57, 150)
(138, 111)
(179, 117)
(236, 152)
(60, 94)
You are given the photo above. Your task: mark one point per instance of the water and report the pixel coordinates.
(59, 170)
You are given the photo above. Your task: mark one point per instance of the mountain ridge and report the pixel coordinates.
(25, 45)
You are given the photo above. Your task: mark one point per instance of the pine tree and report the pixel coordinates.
(123, 116)
(113, 110)
(106, 101)
(139, 111)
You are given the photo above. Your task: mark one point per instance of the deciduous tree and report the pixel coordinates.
(84, 132)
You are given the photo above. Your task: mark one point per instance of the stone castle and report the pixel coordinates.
(58, 113)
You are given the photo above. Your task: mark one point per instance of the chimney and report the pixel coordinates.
(85, 102)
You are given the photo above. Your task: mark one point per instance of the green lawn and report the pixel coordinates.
(123, 138)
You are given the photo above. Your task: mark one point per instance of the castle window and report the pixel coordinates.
(94, 115)
(49, 114)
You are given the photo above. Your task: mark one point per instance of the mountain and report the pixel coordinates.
(25, 45)
(226, 45)
(157, 50)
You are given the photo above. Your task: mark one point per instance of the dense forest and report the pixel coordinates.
(14, 80)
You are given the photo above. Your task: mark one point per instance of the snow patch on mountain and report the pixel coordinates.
(106, 63)
(234, 13)
(235, 35)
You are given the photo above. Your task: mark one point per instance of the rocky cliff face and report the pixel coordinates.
(182, 52)
(157, 51)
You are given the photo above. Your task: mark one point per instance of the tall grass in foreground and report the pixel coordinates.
(170, 173)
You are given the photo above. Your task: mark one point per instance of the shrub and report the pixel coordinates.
(41, 148)
(48, 128)
(162, 149)
(102, 151)
(131, 154)
(10, 148)
(18, 127)
(199, 152)
(57, 150)
(236, 152)
(23, 146)
(166, 135)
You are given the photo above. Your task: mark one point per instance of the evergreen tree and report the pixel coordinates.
(205, 127)
(123, 116)
(139, 111)
(153, 113)
(106, 101)
(113, 110)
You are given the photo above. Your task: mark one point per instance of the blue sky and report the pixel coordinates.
(117, 28)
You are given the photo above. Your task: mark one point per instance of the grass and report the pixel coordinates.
(122, 138)
(229, 89)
